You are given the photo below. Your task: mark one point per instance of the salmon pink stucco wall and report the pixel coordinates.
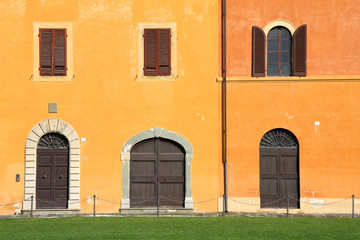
(332, 30)
(329, 94)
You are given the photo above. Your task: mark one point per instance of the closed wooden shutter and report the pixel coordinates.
(52, 52)
(150, 52)
(258, 52)
(45, 52)
(60, 52)
(157, 52)
(164, 52)
(300, 51)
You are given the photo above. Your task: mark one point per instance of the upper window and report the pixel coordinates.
(53, 58)
(285, 54)
(157, 52)
(52, 52)
(279, 52)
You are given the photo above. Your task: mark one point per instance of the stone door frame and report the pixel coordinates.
(155, 133)
(39, 130)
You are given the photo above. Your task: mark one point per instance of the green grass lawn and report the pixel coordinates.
(179, 228)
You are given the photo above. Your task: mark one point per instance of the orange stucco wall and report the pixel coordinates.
(104, 102)
(328, 154)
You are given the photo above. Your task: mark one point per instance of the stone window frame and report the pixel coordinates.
(44, 127)
(69, 52)
(148, 134)
(173, 61)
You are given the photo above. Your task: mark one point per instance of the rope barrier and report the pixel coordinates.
(250, 204)
(208, 200)
(51, 202)
(256, 204)
(107, 200)
(143, 201)
(80, 201)
(9, 204)
(182, 202)
(314, 203)
(171, 200)
(58, 201)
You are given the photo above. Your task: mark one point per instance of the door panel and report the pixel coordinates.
(171, 168)
(60, 194)
(143, 168)
(61, 177)
(268, 164)
(44, 177)
(61, 159)
(44, 194)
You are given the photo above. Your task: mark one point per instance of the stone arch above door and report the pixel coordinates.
(155, 133)
(47, 126)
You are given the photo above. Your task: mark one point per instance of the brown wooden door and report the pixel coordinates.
(52, 178)
(157, 170)
(279, 176)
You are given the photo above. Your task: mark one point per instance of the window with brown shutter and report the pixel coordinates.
(300, 51)
(258, 52)
(52, 52)
(157, 52)
(285, 54)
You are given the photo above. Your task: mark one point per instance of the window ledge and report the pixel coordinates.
(350, 78)
(38, 78)
(143, 78)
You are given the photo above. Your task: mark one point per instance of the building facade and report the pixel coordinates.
(116, 99)
(292, 93)
(121, 102)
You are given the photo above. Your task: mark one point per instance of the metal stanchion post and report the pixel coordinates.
(32, 206)
(158, 203)
(287, 205)
(353, 206)
(94, 205)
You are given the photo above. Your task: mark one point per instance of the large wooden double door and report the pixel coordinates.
(279, 170)
(52, 171)
(157, 173)
(279, 177)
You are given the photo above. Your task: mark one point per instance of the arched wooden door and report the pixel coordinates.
(279, 169)
(157, 171)
(52, 172)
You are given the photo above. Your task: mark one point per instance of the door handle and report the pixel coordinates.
(61, 176)
(44, 176)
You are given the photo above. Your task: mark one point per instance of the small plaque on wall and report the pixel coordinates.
(52, 107)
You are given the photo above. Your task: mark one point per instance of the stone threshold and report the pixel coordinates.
(146, 211)
(52, 212)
